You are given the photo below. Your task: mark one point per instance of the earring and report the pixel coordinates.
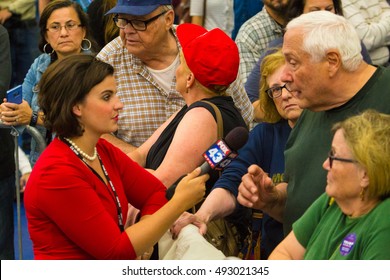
(89, 45)
(361, 194)
(44, 49)
(187, 90)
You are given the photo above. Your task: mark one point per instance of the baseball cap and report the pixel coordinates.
(137, 7)
(211, 55)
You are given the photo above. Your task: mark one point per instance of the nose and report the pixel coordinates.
(129, 28)
(63, 31)
(286, 76)
(118, 104)
(326, 164)
(286, 94)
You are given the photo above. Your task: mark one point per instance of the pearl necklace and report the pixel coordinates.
(84, 154)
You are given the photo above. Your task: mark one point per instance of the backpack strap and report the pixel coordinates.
(219, 118)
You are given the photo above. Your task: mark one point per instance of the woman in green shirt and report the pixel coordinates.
(349, 221)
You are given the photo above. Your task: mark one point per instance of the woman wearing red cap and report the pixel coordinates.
(208, 65)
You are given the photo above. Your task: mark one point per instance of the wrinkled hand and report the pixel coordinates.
(256, 189)
(191, 189)
(186, 219)
(15, 114)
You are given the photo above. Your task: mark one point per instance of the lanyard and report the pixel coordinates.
(114, 194)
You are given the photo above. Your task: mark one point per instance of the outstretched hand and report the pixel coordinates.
(257, 189)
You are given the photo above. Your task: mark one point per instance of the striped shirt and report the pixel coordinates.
(371, 20)
(146, 105)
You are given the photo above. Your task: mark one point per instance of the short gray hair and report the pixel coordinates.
(323, 30)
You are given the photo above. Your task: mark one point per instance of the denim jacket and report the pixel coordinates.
(30, 94)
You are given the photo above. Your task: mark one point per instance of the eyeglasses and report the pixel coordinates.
(275, 92)
(332, 158)
(139, 25)
(69, 26)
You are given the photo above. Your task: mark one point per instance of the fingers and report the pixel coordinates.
(245, 197)
(182, 221)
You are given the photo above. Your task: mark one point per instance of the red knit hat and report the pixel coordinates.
(211, 55)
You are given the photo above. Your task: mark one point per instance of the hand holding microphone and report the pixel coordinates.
(220, 154)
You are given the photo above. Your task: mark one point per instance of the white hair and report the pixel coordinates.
(323, 30)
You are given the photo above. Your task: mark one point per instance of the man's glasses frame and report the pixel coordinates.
(276, 91)
(137, 24)
(331, 158)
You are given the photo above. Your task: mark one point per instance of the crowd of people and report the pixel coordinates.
(127, 95)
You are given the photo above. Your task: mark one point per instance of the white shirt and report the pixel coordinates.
(219, 13)
(371, 19)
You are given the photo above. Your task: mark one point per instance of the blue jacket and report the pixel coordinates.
(30, 94)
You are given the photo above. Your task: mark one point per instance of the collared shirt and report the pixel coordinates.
(146, 104)
(253, 39)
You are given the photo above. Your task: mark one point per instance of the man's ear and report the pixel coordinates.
(334, 61)
(169, 19)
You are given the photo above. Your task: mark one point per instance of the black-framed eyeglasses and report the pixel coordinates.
(276, 91)
(332, 158)
(137, 24)
(69, 26)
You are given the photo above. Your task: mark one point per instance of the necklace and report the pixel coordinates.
(84, 154)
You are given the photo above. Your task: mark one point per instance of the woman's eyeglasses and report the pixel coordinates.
(332, 158)
(276, 91)
(69, 26)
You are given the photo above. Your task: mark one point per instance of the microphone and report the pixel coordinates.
(219, 155)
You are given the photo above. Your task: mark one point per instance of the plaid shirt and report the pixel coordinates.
(253, 39)
(146, 104)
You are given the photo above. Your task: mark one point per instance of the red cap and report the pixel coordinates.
(211, 55)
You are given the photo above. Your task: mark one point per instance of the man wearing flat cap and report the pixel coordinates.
(145, 57)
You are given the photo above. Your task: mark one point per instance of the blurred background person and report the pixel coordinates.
(371, 20)
(265, 147)
(257, 32)
(350, 220)
(213, 14)
(79, 172)
(103, 28)
(63, 32)
(19, 17)
(7, 160)
(243, 11)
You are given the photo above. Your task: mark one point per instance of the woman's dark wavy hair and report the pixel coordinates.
(59, 4)
(295, 8)
(66, 83)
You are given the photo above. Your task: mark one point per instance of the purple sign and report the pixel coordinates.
(347, 244)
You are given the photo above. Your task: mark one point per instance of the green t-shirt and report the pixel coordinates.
(329, 234)
(310, 141)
